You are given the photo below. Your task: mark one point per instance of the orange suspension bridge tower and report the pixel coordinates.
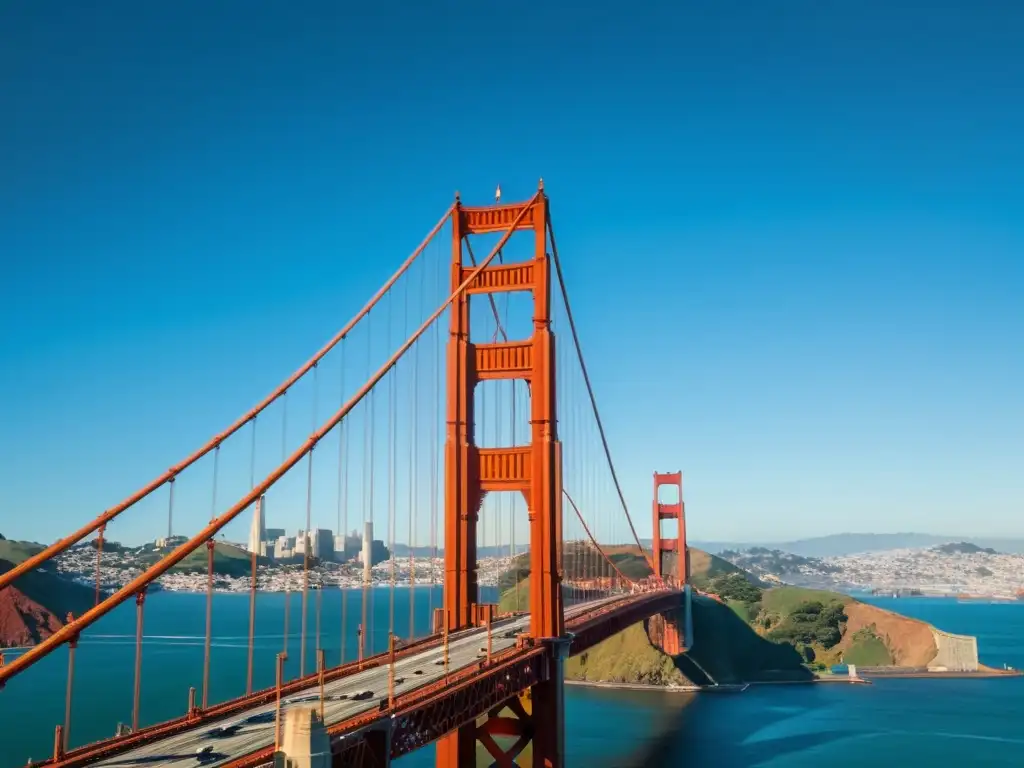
(535, 470)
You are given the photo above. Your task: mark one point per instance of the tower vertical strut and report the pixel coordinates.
(671, 511)
(533, 469)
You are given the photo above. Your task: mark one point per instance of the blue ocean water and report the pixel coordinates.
(893, 722)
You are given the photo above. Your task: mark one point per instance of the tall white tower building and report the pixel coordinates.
(368, 552)
(258, 531)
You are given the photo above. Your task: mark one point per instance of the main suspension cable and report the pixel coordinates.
(74, 628)
(69, 541)
(590, 392)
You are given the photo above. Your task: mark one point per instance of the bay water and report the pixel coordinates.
(893, 722)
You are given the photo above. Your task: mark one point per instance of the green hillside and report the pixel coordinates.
(16, 551)
(747, 634)
(867, 649)
(703, 566)
(227, 561)
(784, 600)
(628, 657)
(725, 647)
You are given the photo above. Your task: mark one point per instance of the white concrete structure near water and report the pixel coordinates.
(956, 653)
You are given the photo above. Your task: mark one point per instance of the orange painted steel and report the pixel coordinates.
(426, 714)
(604, 620)
(535, 470)
(500, 359)
(108, 747)
(674, 511)
(593, 628)
(471, 471)
(430, 707)
(590, 392)
(68, 541)
(155, 571)
(252, 625)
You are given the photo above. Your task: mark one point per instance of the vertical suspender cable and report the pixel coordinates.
(252, 563)
(252, 582)
(140, 601)
(343, 462)
(392, 397)
(307, 542)
(434, 469)
(209, 585)
(413, 496)
(367, 491)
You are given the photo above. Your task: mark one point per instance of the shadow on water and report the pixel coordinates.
(712, 729)
(697, 736)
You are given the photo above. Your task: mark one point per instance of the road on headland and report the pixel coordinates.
(254, 729)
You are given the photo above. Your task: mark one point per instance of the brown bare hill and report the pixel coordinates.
(911, 643)
(38, 600)
(23, 621)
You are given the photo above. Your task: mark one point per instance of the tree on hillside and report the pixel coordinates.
(812, 622)
(735, 586)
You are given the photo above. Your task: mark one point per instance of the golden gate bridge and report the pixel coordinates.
(484, 434)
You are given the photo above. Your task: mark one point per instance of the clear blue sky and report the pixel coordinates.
(794, 233)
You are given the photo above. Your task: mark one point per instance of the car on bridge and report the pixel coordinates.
(223, 731)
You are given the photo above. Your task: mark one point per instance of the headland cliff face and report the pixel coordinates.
(36, 604)
(23, 621)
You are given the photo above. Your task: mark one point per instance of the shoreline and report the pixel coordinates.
(866, 679)
(635, 686)
(980, 674)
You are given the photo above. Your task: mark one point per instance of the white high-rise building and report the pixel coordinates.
(367, 553)
(258, 531)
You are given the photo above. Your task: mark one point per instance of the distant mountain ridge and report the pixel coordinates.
(839, 544)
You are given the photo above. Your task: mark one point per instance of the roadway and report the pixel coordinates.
(254, 730)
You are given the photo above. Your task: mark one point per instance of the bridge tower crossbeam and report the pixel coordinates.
(535, 470)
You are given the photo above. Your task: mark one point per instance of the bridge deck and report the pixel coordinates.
(256, 726)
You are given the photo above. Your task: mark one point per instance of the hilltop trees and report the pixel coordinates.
(812, 622)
